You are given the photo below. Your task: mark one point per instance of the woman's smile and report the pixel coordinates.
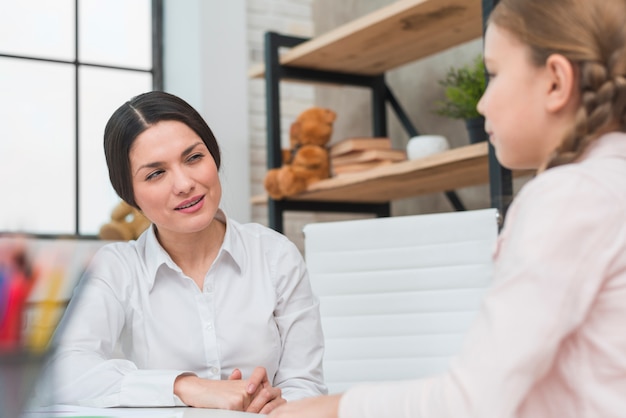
(191, 205)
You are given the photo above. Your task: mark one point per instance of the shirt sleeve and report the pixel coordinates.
(85, 368)
(550, 265)
(297, 316)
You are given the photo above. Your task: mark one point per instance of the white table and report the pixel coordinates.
(213, 413)
(179, 412)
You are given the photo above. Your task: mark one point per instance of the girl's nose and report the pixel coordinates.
(479, 106)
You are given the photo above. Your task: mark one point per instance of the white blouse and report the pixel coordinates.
(136, 322)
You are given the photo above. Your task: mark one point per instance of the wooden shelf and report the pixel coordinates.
(359, 53)
(397, 34)
(449, 170)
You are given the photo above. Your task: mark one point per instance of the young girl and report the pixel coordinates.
(198, 302)
(549, 340)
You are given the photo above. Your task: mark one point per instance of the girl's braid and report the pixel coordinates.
(602, 108)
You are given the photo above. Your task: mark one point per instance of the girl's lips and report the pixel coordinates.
(189, 204)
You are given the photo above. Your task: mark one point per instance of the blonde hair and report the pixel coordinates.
(591, 34)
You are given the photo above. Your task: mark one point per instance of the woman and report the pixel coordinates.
(196, 304)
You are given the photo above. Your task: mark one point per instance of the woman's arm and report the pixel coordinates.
(87, 367)
(297, 316)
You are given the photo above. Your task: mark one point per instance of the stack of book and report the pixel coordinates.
(358, 154)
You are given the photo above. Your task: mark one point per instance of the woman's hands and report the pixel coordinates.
(255, 394)
(318, 407)
(265, 397)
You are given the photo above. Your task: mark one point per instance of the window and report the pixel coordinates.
(65, 66)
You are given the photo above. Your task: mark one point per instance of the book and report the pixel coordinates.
(369, 155)
(358, 167)
(359, 144)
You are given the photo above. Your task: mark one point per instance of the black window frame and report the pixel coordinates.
(157, 84)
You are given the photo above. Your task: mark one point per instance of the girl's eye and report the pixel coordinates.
(154, 175)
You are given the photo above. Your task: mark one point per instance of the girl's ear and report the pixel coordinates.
(563, 82)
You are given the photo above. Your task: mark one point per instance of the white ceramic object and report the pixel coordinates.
(424, 145)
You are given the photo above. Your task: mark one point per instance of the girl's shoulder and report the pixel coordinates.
(567, 193)
(571, 182)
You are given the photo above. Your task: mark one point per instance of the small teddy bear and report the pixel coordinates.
(307, 160)
(127, 223)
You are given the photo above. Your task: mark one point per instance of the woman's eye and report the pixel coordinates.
(195, 157)
(154, 175)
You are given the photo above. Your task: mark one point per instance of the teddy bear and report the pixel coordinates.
(127, 223)
(307, 159)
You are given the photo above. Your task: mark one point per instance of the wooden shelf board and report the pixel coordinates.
(449, 170)
(397, 34)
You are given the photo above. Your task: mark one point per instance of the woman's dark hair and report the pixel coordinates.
(133, 118)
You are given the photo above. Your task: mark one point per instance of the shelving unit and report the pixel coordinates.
(358, 54)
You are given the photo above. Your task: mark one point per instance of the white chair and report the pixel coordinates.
(398, 294)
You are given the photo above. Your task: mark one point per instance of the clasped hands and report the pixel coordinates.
(254, 394)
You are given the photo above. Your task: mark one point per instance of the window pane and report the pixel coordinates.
(40, 28)
(116, 33)
(101, 92)
(37, 131)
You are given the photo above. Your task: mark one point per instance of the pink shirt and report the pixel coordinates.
(550, 339)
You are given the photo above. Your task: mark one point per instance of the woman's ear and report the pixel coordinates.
(563, 81)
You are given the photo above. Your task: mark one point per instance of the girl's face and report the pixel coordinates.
(175, 179)
(519, 124)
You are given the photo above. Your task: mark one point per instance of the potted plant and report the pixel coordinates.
(464, 87)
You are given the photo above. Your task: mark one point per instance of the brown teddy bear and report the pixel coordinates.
(307, 159)
(127, 223)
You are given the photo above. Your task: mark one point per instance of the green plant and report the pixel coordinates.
(464, 87)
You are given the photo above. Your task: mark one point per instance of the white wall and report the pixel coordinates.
(205, 63)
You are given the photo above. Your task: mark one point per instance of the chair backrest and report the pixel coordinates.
(398, 294)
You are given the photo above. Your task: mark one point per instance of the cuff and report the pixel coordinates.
(150, 388)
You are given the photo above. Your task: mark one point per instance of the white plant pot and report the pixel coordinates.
(424, 145)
